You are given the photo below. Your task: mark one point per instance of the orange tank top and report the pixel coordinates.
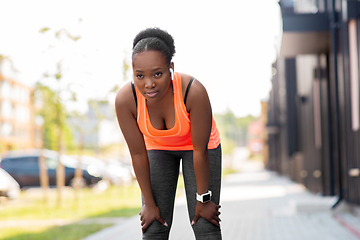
(177, 138)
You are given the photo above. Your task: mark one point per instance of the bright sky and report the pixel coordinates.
(227, 45)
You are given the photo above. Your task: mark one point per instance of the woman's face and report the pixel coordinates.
(151, 74)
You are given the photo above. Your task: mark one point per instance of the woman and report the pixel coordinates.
(166, 117)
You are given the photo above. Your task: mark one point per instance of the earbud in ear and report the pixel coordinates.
(171, 73)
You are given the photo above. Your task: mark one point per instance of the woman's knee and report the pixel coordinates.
(157, 231)
(204, 229)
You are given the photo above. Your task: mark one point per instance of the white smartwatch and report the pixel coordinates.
(206, 197)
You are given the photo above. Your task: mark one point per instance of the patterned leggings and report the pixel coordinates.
(164, 171)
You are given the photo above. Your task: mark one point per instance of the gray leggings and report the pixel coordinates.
(164, 171)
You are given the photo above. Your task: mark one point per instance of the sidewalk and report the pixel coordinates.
(259, 205)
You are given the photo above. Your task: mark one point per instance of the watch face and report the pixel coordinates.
(206, 197)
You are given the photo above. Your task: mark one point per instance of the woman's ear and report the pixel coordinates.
(171, 73)
(171, 69)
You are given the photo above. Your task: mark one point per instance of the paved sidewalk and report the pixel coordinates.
(259, 205)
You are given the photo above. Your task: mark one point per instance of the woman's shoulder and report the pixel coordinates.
(125, 98)
(197, 93)
(185, 80)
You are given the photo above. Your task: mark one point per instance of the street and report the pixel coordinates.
(259, 205)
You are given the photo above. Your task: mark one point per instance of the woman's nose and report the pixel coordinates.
(149, 84)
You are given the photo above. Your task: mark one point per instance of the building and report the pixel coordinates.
(314, 105)
(99, 129)
(17, 130)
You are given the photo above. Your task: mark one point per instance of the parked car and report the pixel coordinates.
(23, 166)
(9, 187)
(116, 172)
(121, 173)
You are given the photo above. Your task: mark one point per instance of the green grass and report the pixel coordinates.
(227, 171)
(114, 202)
(67, 232)
(256, 157)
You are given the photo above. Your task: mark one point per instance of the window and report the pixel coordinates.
(22, 113)
(6, 109)
(5, 90)
(309, 6)
(21, 162)
(24, 95)
(6, 129)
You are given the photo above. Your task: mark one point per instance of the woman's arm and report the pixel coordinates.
(198, 105)
(126, 114)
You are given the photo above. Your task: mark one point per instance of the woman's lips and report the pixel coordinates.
(151, 94)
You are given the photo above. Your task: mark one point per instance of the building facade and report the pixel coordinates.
(314, 105)
(17, 130)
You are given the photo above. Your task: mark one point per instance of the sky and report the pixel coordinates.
(228, 46)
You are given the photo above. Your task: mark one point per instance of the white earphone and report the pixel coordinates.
(171, 73)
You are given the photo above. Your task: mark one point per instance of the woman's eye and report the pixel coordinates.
(139, 76)
(158, 74)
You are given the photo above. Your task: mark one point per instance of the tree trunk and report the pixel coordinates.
(60, 172)
(44, 177)
(78, 172)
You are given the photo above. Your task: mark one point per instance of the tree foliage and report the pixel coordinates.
(233, 130)
(54, 115)
(5, 58)
(125, 69)
(61, 32)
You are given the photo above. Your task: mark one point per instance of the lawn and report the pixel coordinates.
(122, 201)
(114, 202)
(67, 232)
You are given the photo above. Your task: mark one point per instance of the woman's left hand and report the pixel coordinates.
(209, 211)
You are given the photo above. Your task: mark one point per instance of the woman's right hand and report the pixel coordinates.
(209, 211)
(149, 214)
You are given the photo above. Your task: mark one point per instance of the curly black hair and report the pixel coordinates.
(154, 39)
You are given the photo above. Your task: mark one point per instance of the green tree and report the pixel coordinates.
(3, 59)
(59, 111)
(233, 130)
(54, 113)
(125, 69)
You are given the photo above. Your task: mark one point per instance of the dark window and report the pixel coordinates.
(21, 162)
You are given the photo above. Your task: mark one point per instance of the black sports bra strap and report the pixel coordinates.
(187, 89)
(134, 92)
